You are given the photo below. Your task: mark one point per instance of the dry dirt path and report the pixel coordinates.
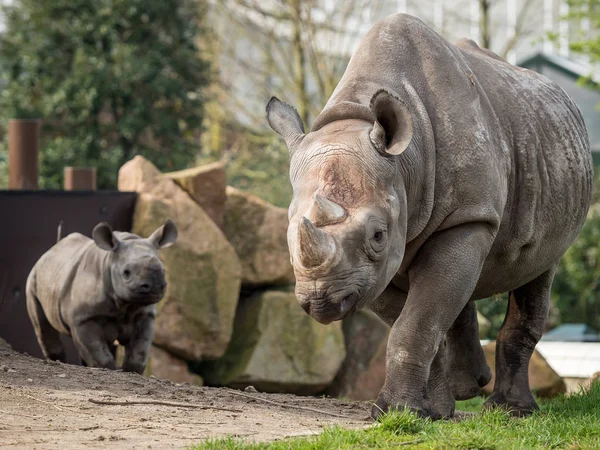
(47, 406)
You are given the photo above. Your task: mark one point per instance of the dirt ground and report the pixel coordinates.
(47, 405)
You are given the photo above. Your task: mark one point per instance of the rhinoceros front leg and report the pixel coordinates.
(442, 280)
(138, 347)
(90, 339)
(522, 329)
(388, 307)
(468, 370)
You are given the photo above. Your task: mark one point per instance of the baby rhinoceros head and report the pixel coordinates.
(137, 275)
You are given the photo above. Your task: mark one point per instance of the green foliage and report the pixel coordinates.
(263, 170)
(494, 310)
(576, 288)
(259, 164)
(110, 79)
(564, 422)
(589, 10)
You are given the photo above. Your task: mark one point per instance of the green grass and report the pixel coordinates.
(562, 423)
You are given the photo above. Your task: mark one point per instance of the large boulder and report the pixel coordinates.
(363, 371)
(164, 366)
(258, 232)
(206, 185)
(195, 318)
(543, 380)
(277, 347)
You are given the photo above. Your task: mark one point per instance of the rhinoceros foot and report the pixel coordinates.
(517, 407)
(422, 408)
(467, 383)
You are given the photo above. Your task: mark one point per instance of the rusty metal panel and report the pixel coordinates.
(28, 228)
(23, 151)
(79, 179)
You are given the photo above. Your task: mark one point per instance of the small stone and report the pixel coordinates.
(250, 389)
(30, 380)
(11, 371)
(62, 375)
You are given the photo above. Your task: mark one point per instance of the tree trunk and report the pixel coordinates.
(299, 62)
(484, 23)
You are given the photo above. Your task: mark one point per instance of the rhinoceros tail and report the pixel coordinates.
(59, 232)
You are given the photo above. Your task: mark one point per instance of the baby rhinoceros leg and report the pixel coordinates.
(522, 329)
(468, 370)
(90, 339)
(138, 345)
(47, 336)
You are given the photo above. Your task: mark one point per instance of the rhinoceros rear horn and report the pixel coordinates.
(315, 247)
(285, 121)
(325, 212)
(393, 127)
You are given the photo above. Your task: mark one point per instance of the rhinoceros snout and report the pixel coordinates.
(326, 309)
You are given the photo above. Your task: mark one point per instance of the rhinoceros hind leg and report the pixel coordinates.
(468, 370)
(522, 329)
(438, 387)
(47, 336)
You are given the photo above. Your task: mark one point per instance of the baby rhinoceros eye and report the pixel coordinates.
(126, 273)
(378, 236)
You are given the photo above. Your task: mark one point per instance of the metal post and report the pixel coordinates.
(79, 179)
(23, 151)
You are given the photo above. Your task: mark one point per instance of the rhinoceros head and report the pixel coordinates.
(137, 274)
(347, 225)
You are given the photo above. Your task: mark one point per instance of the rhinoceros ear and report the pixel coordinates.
(393, 127)
(104, 237)
(165, 236)
(285, 121)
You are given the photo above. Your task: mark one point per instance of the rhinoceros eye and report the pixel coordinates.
(378, 236)
(126, 273)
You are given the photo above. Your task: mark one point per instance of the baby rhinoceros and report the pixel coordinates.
(97, 291)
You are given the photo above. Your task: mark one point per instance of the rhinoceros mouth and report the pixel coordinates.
(325, 311)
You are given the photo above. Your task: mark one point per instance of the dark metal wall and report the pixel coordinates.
(28, 226)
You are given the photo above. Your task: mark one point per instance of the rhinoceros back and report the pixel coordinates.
(53, 276)
(497, 136)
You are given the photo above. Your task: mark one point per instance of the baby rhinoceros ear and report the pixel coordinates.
(104, 237)
(165, 236)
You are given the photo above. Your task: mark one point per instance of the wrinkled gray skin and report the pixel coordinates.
(97, 291)
(436, 174)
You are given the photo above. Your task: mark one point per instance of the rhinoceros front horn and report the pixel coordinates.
(315, 246)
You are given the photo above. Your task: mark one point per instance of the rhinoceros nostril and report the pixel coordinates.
(145, 287)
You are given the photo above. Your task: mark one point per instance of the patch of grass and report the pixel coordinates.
(473, 405)
(562, 423)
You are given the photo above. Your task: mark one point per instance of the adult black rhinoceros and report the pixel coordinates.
(436, 174)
